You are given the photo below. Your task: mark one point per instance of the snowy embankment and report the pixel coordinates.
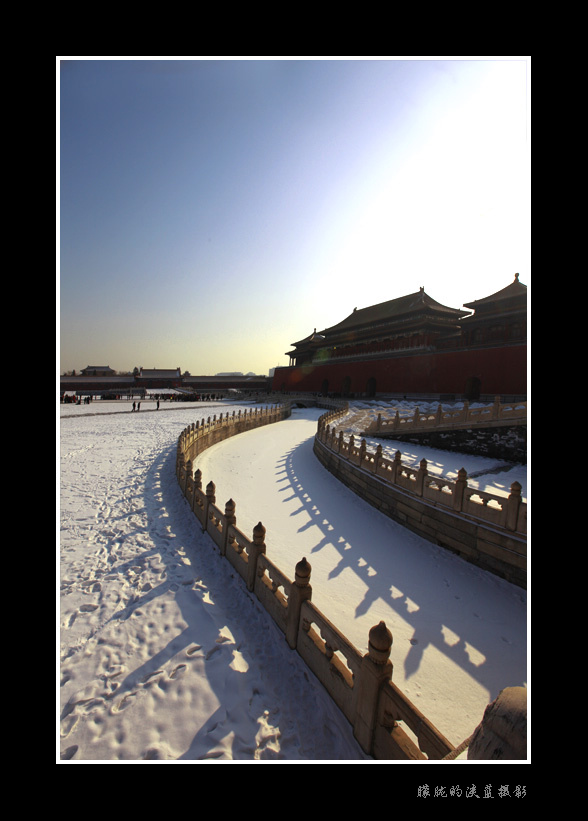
(164, 654)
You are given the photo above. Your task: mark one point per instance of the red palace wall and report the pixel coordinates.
(500, 371)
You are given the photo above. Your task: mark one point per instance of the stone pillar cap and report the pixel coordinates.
(303, 569)
(380, 642)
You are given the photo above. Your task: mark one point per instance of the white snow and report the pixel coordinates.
(164, 655)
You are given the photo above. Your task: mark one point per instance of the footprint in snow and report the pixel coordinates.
(217, 646)
(178, 671)
(67, 725)
(149, 676)
(123, 703)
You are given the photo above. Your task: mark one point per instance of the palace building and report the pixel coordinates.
(415, 345)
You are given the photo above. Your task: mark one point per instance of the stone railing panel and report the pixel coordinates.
(330, 656)
(237, 552)
(439, 491)
(244, 553)
(199, 506)
(482, 505)
(406, 478)
(272, 588)
(394, 711)
(216, 525)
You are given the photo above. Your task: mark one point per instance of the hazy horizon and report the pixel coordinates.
(212, 212)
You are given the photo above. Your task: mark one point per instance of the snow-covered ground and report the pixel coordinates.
(164, 656)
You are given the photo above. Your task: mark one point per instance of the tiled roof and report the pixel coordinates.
(388, 311)
(95, 380)
(512, 291)
(157, 373)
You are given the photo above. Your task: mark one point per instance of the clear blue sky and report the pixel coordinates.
(212, 212)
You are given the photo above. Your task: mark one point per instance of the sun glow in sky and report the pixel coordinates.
(212, 212)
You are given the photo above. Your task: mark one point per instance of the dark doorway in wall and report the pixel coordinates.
(370, 388)
(346, 389)
(472, 388)
(325, 387)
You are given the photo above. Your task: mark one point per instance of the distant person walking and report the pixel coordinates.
(158, 404)
(133, 406)
(138, 406)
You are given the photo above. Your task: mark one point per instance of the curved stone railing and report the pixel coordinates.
(498, 414)
(486, 529)
(201, 435)
(385, 723)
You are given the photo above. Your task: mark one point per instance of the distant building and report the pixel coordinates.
(170, 379)
(159, 378)
(98, 370)
(416, 345)
(224, 382)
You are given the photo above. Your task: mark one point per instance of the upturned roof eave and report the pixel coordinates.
(513, 291)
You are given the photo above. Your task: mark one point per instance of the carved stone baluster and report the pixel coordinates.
(375, 669)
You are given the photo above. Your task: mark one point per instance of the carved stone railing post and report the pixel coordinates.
(335, 439)
(254, 551)
(230, 519)
(460, 488)
(375, 669)
(502, 733)
(396, 466)
(300, 591)
(420, 478)
(188, 479)
(210, 500)
(377, 458)
(196, 485)
(188, 487)
(362, 452)
(512, 506)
